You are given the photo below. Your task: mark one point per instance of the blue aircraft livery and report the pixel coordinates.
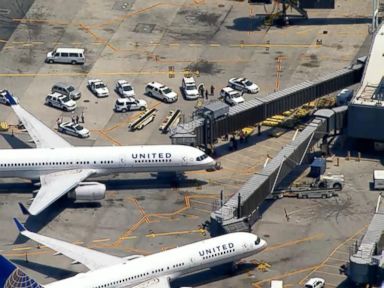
(13, 277)
(217, 249)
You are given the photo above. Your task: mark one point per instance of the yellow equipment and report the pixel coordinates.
(4, 126)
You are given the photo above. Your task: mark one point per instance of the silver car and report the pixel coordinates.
(66, 89)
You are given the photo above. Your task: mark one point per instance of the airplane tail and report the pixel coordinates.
(13, 277)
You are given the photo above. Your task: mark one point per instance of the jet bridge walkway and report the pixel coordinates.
(240, 212)
(204, 129)
(366, 264)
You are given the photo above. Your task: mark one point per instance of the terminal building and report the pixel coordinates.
(365, 118)
(366, 110)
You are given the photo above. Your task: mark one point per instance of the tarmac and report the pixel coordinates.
(141, 41)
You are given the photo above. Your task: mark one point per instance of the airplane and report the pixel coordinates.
(62, 168)
(137, 271)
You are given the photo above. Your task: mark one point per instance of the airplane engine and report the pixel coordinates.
(89, 191)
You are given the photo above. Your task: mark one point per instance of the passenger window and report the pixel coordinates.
(73, 55)
(64, 54)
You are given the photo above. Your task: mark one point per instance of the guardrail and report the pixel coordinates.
(143, 120)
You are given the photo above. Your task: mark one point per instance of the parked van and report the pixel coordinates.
(66, 55)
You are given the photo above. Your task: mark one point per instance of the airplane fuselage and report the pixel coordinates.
(33, 163)
(172, 263)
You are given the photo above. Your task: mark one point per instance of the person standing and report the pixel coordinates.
(201, 91)
(212, 90)
(77, 119)
(82, 117)
(206, 94)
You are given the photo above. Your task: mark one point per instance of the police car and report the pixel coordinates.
(130, 104)
(98, 88)
(73, 129)
(230, 96)
(315, 283)
(124, 89)
(160, 91)
(60, 101)
(243, 84)
(188, 85)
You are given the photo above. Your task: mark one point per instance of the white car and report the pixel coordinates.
(125, 89)
(130, 104)
(60, 101)
(243, 84)
(188, 85)
(160, 91)
(98, 88)
(231, 97)
(73, 129)
(315, 283)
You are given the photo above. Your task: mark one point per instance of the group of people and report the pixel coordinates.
(206, 92)
(75, 119)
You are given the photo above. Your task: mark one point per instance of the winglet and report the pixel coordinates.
(12, 100)
(23, 209)
(19, 226)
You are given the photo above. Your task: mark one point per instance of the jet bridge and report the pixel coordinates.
(366, 263)
(240, 212)
(205, 129)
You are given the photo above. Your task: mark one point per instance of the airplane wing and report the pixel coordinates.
(90, 258)
(160, 282)
(41, 134)
(54, 186)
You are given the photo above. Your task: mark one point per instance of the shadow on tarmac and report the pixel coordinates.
(36, 223)
(15, 142)
(56, 272)
(257, 23)
(211, 275)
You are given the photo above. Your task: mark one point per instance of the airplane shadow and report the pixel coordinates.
(36, 223)
(257, 23)
(55, 272)
(15, 142)
(16, 187)
(151, 183)
(211, 275)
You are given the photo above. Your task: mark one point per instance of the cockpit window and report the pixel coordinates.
(202, 157)
(257, 242)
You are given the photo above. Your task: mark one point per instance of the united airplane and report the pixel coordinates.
(154, 271)
(61, 168)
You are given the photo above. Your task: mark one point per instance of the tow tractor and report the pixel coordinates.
(326, 186)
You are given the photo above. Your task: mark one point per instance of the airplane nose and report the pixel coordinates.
(212, 164)
(263, 245)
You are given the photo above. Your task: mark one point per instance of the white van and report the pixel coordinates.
(66, 55)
